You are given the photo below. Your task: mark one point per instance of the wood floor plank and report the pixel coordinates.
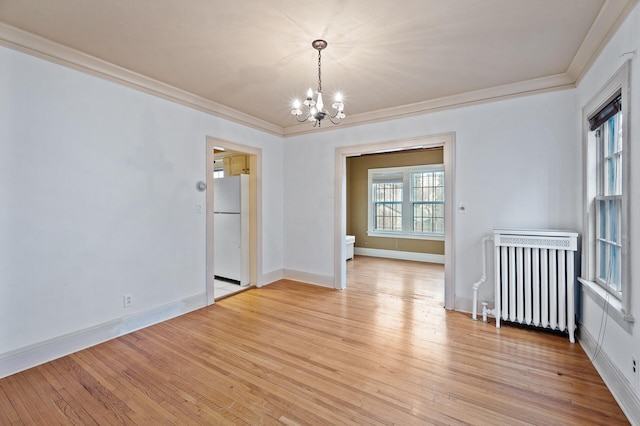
(383, 351)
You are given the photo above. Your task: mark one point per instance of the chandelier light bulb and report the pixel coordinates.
(309, 101)
(319, 103)
(296, 108)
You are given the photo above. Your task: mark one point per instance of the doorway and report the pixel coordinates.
(446, 141)
(227, 159)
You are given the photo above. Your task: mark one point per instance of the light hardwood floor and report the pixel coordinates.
(383, 351)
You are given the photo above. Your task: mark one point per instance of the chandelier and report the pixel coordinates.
(315, 108)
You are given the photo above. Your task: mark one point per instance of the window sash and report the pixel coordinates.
(388, 216)
(433, 221)
(427, 201)
(387, 204)
(609, 243)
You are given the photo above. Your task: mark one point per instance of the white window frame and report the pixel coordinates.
(407, 204)
(617, 303)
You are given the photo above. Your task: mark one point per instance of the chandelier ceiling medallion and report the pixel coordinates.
(315, 108)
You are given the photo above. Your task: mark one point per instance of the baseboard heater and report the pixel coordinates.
(535, 275)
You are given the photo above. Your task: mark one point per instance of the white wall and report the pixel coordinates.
(618, 345)
(98, 200)
(517, 165)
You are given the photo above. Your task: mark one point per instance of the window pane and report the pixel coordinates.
(602, 219)
(438, 211)
(618, 183)
(599, 160)
(438, 225)
(614, 279)
(610, 183)
(613, 221)
(611, 135)
(602, 273)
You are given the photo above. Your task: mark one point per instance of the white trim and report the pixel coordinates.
(611, 16)
(43, 48)
(255, 247)
(606, 24)
(609, 303)
(30, 356)
(402, 255)
(447, 141)
(32, 44)
(530, 87)
(409, 236)
(620, 82)
(306, 277)
(623, 392)
(271, 277)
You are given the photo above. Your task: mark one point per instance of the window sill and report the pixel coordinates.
(609, 303)
(431, 237)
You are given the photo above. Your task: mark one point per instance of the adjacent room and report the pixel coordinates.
(429, 214)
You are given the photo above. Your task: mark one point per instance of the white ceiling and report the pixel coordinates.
(246, 60)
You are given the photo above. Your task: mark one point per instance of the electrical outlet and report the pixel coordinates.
(128, 300)
(634, 360)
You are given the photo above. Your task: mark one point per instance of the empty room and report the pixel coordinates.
(268, 212)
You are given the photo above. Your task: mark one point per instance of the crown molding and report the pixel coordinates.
(609, 19)
(17, 39)
(611, 16)
(539, 85)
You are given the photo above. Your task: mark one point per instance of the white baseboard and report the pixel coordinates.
(271, 277)
(30, 356)
(306, 277)
(402, 255)
(620, 388)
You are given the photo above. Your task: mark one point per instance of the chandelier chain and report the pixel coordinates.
(319, 72)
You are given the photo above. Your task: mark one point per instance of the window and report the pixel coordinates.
(608, 199)
(407, 202)
(605, 271)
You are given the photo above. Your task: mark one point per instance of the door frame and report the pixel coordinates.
(447, 142)
(255, 212)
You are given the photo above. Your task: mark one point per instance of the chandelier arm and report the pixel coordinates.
(331, 117)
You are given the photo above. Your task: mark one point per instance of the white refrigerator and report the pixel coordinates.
(231, 229)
